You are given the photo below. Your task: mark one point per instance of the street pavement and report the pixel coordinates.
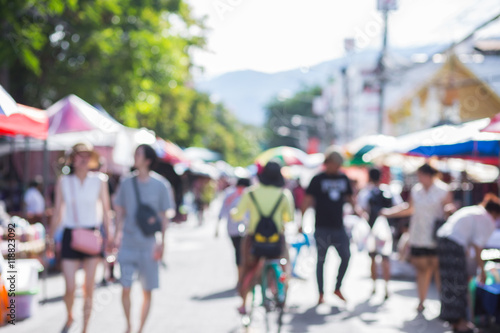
(197, 294)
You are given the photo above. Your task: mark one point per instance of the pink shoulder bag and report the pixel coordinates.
(85, 240)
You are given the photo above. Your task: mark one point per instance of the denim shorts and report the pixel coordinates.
(140, 262)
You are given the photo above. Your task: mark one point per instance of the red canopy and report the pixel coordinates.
(20, 119)
(26, 121)
(494, 125)
(170, 152)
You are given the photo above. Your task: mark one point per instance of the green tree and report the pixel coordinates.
(281, 129)
(237, 142)
(130, 56)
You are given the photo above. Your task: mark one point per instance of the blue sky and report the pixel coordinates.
(276, 35)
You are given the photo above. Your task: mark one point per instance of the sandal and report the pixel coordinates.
(66, 327)
(242, 311)
(339, 295)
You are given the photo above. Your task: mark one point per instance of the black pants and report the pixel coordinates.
(454, 286)
(237, 248)
(326, 237)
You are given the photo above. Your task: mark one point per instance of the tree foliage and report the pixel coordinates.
(281, 129)
(130, 56)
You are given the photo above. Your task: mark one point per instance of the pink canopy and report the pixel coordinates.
(73, 120)
(72, 114)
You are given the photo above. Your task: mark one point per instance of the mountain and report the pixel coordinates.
(246, 93)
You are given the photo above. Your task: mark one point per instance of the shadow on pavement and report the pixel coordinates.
(301, 321)
(51, 300)
(420, 324)
(363, 308)
(413, 294)
(218, 295)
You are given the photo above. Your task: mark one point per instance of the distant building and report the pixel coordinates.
(450, 89)
(421, 92)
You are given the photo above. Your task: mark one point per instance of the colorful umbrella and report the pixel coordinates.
(202, 154)
(355, 150)
(284, 155)
(494, 125)
(465, 141)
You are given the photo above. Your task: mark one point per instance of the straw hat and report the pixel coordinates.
(84, 147)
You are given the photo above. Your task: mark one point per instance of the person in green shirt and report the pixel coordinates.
(268, 194)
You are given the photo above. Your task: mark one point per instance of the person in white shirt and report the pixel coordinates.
(235, 229)
(468, 227)
(81, 201)
(426, 206)
(34, 202)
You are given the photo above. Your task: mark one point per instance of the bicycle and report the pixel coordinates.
(298, 245)
(273, 291)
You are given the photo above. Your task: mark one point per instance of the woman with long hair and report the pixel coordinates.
(81, 202)
(426, 206)
(267, 197)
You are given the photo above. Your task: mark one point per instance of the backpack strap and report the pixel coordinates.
(255, 203)
(275, 206)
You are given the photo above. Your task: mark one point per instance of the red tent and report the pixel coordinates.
(20, 119)
(27, 121)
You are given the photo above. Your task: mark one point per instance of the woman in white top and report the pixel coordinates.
(426, 206)
(81, 201)
(468, 227)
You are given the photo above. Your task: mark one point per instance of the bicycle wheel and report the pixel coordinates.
(275, 292)
(281, 311)
(269, 289)
(279, 293)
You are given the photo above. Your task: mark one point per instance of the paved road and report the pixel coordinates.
(197, 295)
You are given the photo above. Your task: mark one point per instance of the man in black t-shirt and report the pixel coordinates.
(328, 192)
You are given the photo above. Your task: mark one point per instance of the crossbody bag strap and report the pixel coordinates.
(231, 199)
(73, 200)
(136, 190)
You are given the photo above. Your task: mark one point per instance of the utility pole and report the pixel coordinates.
(347, 101)
(349, 46)
(384, 6)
